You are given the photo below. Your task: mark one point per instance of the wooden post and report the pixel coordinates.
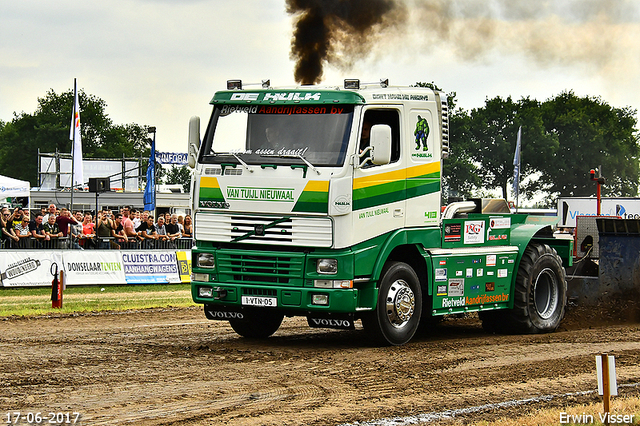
(606, 392)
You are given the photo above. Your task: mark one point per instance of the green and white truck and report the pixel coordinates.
(325, 202)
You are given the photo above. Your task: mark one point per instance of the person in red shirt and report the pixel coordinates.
(64, 220)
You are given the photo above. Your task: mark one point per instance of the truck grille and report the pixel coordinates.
(259, 292)
(285, 231)
(258, 268)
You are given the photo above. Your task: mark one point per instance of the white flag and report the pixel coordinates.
(74, 135)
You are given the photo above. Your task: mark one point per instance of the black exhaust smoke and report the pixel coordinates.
(336, 31)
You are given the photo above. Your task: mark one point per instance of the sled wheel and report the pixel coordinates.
(257, 323)
(397, 315)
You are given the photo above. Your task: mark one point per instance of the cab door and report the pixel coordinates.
(379, 191)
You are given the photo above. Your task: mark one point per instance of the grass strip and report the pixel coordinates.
(37, 301)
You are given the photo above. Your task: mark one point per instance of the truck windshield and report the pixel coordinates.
(278, 134)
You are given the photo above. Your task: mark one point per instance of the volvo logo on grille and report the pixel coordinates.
(259, 230)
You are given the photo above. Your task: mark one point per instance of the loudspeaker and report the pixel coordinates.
(99, 184)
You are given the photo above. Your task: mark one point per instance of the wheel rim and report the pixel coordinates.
(401, 304)
(545, 293)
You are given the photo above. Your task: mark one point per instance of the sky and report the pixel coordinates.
(159, 62)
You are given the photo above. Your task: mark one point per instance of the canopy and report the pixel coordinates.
(10, 187)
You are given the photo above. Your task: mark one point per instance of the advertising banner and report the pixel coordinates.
(570, 207)
(93, 267)
(28, 268)
(179, 158)
(184, 262)
(151, 267)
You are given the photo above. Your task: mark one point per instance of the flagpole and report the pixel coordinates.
(516, 167)
(153, 155)
(519, 165)
(149, 196)
(73, 143)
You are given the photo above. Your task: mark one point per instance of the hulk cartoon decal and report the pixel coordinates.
(421, 133)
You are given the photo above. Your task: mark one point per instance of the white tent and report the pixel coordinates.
(10, 187)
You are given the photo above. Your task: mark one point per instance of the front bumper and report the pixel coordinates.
(295, 300)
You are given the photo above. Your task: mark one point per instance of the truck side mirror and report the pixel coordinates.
(380, 141)
(194, 140)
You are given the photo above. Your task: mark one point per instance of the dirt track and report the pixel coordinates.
(172, 366)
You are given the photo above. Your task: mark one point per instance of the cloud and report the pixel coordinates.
(158, 62)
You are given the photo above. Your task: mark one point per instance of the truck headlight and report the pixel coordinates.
(206, 260)
(327, 266)
(320, 299)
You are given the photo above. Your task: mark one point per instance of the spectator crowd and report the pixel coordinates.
(54, 227)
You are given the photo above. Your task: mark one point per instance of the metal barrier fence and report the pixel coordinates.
(97, 243)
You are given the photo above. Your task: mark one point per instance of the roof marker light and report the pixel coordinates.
(266, 83)
(352, 83)
(234, 84)
(384, 83)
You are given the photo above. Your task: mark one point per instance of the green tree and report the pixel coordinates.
(19, 143)
(47, 129)
(590, 133)
(128, 140)
(179, 175)
(461, 177)
(493, 131)
(537, 146)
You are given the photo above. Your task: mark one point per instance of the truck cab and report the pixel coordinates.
(324, 202)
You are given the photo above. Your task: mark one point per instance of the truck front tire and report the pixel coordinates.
(258, 323)
(397, 315)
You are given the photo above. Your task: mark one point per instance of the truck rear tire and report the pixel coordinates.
(257, 323)
(399, 308)
(540, 295)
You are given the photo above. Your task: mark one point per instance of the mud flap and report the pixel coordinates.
(341, 322)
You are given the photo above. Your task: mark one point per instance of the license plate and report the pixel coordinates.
(260, 301)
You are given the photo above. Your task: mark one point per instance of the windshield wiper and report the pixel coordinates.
(245, 165)
(298, 156)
